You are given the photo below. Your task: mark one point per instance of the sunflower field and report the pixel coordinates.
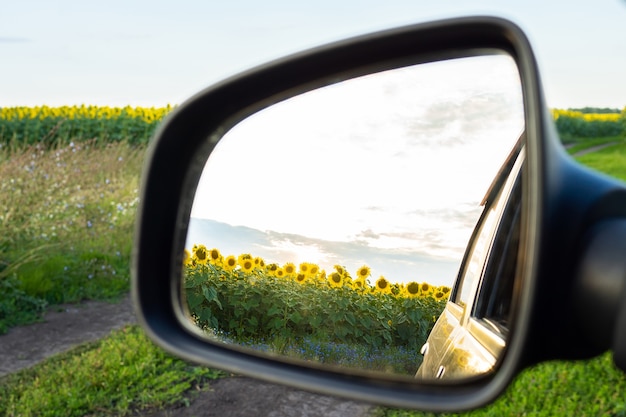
(572, 124)
(61, 125)
(305, 312)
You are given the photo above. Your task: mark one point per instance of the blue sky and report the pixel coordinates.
(152, 52)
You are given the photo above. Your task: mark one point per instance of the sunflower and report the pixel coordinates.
(243, 257)
(363, 272)
(313, 269)
(359, 284)
(439, 295)
(340, 270)
(200, 254)
(259, 262)
(247, 265)
(215, 257)
(186, 257)
(279, 273)
(382, 285)
(425, 289)
(335, 280)
(289, 268)
(412, 289)
(304, 268)
(301, 278)
(230, 263)
(271, 268)
(444, 289)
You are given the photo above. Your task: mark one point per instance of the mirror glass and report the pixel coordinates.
(330, 227)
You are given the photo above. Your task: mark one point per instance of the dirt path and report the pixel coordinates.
(70, 325)
(594, 149)
(63, 327)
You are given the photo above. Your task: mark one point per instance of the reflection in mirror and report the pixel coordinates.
(330, 227)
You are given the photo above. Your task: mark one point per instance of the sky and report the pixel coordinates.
(387, 170)
(152, 52)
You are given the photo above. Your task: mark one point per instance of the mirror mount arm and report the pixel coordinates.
(599, 296)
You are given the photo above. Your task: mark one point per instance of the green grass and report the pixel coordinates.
(582, 145)
(585, 388)
(117, 376)
(611, 161)
(67, 217)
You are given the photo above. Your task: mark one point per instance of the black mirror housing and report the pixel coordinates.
(183, 143)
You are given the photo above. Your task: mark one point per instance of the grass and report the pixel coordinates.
(117, 376)
(584, 388)
(611, 160)
(584, 144)
(67, 216)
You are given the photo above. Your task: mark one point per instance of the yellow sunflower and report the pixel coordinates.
(412, 289)
(359, 284)
(279, 273)
(439, 296)
(335, 280)
(259, 262)
(186, 257)
(230, 263)
(313, 269)
(271, 269)
(301, 278)
(382, 285)
(304, 268)
(425, 289)
(215, 257)
(340, 270)
(247, 265)
(200, 254)
(289, 268)
(363, 272)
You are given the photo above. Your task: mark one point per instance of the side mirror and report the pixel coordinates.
(398, 147)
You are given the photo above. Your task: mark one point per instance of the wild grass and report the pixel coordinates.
(67, 216)
(116, 376)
